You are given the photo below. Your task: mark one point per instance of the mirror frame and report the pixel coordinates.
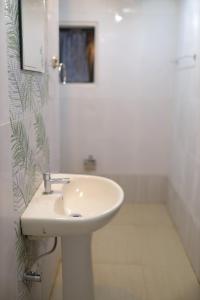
(22, 42)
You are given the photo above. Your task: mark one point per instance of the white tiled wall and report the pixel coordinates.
(50, 263)
(53, 114)
(7, 253)
(142, 188)
(123, 119)
(184, 176)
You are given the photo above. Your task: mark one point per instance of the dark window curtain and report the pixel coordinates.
(73, 44)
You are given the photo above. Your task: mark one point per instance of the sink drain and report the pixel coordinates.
(75, 215)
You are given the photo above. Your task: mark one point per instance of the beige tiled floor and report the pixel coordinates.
(139, 256)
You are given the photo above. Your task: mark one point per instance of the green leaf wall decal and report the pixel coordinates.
(30, 148)
(20, 145)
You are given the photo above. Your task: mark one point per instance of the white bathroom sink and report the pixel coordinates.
(84, 205)
(73, 211)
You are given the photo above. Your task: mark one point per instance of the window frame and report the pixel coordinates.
(84, 24)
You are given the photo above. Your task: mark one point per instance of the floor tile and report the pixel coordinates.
(142, 214)
(169, 284)
(119, 282)
(117, 244)
(139, 256)
(161, 246)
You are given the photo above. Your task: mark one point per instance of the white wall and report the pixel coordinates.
(53, 121)
(7, 238)
(184, 176)
(124, 118)
(50, 263)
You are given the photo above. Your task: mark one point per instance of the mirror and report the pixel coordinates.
(32, 21)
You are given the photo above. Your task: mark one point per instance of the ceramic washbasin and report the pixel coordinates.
(84, 205)
(73, 211)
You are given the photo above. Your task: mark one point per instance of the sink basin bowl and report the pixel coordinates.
(73, 211)
(84, 205)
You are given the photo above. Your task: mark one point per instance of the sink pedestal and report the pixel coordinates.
(73, 212)
(77, 267)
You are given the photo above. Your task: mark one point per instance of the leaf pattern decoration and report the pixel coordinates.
(29, 141)
(12, 15)
(21, 251)
(42, 144)
(22, 154)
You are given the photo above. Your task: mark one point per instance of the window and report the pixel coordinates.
(77, 53)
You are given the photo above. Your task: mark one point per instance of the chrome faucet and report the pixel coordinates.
(48, 181)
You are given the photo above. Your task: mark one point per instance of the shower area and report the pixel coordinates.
(130, 111)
